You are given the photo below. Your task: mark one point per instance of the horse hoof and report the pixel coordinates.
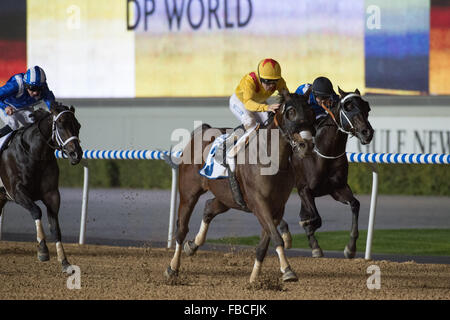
(289, 275)
(67, 267)
(170, 273)
(287, 239)
(349, 254)
(42, 256)
(190, 248)
(317, 253)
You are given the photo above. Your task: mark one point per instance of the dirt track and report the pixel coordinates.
(137, 273)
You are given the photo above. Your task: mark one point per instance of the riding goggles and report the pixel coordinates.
(34, 88)
(269, 82)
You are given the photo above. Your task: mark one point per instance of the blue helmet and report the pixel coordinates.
(35, 78)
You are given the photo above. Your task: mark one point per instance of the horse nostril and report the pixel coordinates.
(365, 132)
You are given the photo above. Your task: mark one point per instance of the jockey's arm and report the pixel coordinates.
(249, 91)
(9, 89)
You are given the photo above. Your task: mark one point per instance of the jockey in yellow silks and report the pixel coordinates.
(249, 104)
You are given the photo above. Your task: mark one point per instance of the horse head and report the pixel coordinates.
(354, 114)
(65, 131)
(297, 122)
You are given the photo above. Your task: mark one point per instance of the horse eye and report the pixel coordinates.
(291, 114)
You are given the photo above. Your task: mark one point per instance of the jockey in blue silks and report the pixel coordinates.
(19, 95)
(322, 93)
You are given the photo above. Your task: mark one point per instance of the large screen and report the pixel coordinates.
(202, 48)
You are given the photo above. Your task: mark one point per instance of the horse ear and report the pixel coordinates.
(285, 94)
(342, 92)
(357, 92)
(72, 109)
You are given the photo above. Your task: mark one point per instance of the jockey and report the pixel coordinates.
(19, 95)
(249, 104)
(322, 93)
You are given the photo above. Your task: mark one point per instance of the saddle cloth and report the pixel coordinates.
(214, 169)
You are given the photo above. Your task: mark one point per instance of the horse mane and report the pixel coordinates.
(39, 114)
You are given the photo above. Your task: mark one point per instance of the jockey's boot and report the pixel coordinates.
(231, 154)
(5, 130)
(234, 185)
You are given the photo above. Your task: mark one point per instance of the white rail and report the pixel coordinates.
(371, 158)
(390, 158)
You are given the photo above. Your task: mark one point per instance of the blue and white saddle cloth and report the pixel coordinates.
(212, 168)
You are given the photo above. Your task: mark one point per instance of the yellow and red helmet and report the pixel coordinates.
(269, 69)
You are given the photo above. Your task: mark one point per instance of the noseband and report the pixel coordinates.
(56, 137)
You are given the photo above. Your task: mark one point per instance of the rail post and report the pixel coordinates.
(372, 211)
(84, 205)
(173, 205)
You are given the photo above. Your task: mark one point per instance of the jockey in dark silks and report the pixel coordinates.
(322, 94)
(19, 95)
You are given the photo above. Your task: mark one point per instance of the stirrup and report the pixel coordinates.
(236, 190)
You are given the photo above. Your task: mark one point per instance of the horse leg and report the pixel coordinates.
(270, 226)
(22, 198)
(345, 195)
(52, 202)
(286, 234)
(310, 221)
(213, 207)
(261, 252)
(187, 204)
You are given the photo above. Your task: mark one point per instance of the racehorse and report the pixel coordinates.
(326, 171)
(264, 195)
(29, 171)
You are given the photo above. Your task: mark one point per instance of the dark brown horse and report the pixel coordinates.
(326, 171)
(29, 170)
(264, 195)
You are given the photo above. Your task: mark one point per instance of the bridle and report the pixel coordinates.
(58, 142)
(295, 145)
(344, 117)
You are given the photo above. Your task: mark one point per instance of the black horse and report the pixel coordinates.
(29, 171)
(326, 171)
